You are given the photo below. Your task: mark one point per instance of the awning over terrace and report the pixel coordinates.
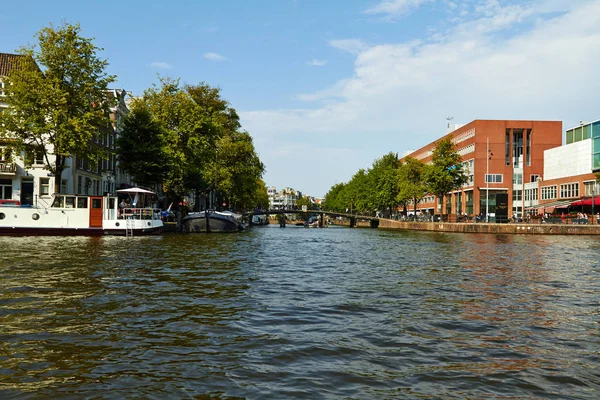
(586, 202)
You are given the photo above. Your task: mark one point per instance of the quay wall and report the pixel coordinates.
(527, 229)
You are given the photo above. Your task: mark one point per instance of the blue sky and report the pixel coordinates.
(326, 87)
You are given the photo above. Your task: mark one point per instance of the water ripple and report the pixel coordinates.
(300, 313)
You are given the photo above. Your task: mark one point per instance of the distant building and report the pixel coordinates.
(285, 199)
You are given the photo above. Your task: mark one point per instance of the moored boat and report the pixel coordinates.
(211, 221)
(84, 215)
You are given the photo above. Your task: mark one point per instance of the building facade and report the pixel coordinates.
(23, 177)
(500, 157)
(569, 171)
(285, 199)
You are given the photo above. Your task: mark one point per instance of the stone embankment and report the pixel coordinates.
(511, 228)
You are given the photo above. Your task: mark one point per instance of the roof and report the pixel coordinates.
(7, 62)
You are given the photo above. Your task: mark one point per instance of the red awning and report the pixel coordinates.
(586, 202)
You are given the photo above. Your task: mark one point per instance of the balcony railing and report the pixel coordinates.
(8, 168)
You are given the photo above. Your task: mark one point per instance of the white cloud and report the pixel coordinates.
(160, 65)
(516, 63)
(352, 46)
(317, 63)
(394, 8)
(214, 56)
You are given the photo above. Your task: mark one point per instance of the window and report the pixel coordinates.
(507, 147)
(493, 178)
(517, 146)
(2, 88)
(69, 202)
(44, 186)
(533, 177)
(569, 190)
(548, 192)
(531, 194)
(517, 195)
(592, 188)
(5, 188)
(82, 202)
(570, 136)
(528, 147)
(517, 179)
(63, 185)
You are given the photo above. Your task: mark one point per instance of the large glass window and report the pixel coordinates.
(596, 129)
(517, 145)
(578, 134)
(587, 131)
(569, 190)
(570, 136)
(483, 196)
(548, 192)
(469, 202)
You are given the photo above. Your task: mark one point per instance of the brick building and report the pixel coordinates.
(500, 156)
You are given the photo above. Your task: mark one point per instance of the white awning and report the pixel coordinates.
(134, 190)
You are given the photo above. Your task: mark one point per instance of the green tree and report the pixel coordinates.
(412, 181)
(235, 170)
(334, 198)
(384, 187)
(58, 99)
(304, 201)
(445, 174)
(187, 134)
(261, 196)
(140, 147)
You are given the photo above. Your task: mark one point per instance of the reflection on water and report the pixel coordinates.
(300, 313)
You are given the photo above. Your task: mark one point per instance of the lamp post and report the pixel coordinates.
(593, 190)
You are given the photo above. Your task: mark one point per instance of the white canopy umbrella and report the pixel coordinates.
(134, 190)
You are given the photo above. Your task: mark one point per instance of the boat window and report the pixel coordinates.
(70, 202)
(59, 202)
(82, 202)
(96, 203)
(111, 203)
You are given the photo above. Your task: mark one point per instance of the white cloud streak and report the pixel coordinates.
(214, 56)
(317, 63)
(160, 65)
(395, 8)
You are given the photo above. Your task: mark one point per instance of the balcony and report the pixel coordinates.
(8, 168)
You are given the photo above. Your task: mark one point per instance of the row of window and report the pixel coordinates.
(567, 191)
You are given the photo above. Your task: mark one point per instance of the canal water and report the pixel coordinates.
(300, 313)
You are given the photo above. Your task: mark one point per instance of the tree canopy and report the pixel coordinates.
(57, 93)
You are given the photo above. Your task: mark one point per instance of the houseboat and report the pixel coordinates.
(128, 213)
